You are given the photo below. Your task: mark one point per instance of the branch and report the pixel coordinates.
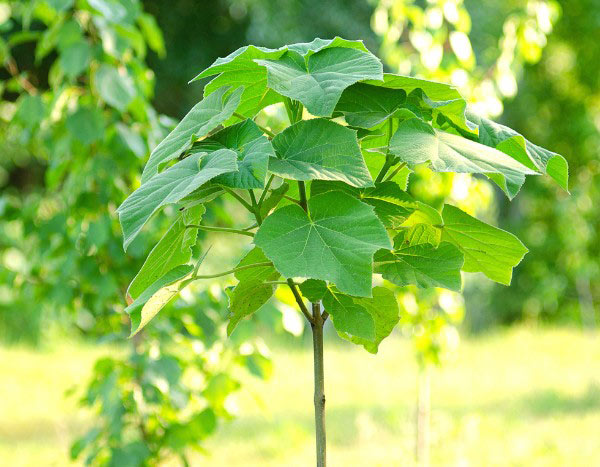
(13, 69)
(225, 273)
(219, 229)
(299, 301)
(239, 198)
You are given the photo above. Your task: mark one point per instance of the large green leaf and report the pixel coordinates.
(173, 249)
(416, 142)
(422, 265)
(253, 150)
(319, 149)
(515, 145)
(336, 243)
(318, 80)
(392, 204)
(240, 69)
(171, 186)
(383, 309)
(156, 296)
(204, 117)
(366, 106)
(251, 292)
(487, 249)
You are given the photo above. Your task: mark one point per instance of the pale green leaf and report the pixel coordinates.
(318, 81)
(115, 88)
(173, 249)
(515, 145)
(416, 142)
(253, 150)
(319, 149)
(75, 58)
(203, 118)
(487, 249)
(336, 243)
(422, 265)
(156, 296)
(171, 186)
(240, 69)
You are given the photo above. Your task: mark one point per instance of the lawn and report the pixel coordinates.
(523, 397)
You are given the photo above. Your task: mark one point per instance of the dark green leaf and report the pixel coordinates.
(336, 243)
(253, 150)
(366, 106)
(319, 149)
(251, 293)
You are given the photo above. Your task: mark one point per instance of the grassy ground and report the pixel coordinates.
(517, 398)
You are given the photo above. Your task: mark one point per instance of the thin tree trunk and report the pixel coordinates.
(317, 331)
(423, 411)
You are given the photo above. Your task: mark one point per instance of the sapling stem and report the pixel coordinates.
(266, 190)
(302, 190)
(242, 201)
(320, 434)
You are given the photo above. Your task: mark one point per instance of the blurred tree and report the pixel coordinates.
(77, 123)
(560, 280)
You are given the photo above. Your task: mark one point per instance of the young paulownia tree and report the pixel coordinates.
(331, 208)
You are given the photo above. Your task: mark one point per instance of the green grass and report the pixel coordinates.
(517, 398)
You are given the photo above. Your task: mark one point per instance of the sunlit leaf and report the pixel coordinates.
(416, 142)
(515, 145)
(487, 249)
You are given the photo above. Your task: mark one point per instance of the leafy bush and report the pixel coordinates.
(333, 209)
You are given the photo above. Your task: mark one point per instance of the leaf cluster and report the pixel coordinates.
(333, 211)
